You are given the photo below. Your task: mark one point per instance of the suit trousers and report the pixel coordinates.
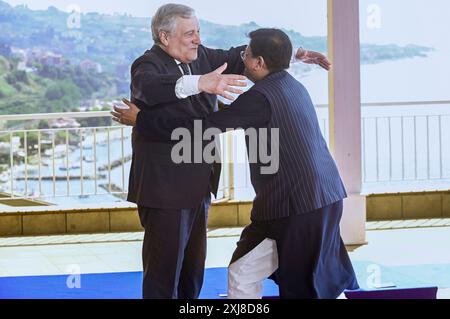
(174, 251)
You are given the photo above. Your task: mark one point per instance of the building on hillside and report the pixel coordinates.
(88, 65)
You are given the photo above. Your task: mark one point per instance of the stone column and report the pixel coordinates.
(345, 112)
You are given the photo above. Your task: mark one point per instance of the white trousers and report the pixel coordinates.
(246, 275)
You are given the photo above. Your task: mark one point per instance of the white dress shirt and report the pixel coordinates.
(187, 85)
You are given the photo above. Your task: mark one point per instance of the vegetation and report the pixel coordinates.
(49, 89)
(113, 41)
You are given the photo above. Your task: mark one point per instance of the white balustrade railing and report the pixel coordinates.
(405, 147)
(70, 162)
(402, 143)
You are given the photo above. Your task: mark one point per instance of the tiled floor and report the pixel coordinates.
(405, 224)
(102, 253)
(92, 257)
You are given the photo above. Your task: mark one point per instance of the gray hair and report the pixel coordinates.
(165, 18)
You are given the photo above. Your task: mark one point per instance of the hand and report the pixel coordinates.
(313, 57)
(126, 116)
(221, 84)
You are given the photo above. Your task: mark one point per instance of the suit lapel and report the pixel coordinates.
(168, 61)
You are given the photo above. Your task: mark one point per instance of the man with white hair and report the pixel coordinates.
(178, 77)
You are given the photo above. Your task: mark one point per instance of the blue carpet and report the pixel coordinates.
(128, 285)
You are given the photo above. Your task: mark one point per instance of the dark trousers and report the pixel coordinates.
(312, 259)
(174, 251)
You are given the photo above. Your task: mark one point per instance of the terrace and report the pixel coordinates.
(63, 189)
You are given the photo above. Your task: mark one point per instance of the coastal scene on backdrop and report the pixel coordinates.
(59, 58)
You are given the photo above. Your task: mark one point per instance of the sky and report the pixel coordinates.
(263, 12)
(424, 22)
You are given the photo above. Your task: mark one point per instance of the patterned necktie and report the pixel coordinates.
(196, 100)
(185, 68)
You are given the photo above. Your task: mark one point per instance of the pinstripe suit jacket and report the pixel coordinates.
(308, 178)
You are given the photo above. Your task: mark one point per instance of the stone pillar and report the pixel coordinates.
(345, 112)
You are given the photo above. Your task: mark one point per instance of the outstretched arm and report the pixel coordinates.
(232, 57)
(312, 57)
(251, 109)
(154, 127)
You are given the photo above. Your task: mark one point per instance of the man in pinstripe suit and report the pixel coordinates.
(294, 231)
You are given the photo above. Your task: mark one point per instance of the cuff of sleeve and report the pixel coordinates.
(294, 54)
(186, 86)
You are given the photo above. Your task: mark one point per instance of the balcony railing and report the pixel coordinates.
(65, 161)
(58, 163)
(406, 147)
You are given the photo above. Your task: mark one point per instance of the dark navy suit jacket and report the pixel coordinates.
(307, 178)
(155, 181)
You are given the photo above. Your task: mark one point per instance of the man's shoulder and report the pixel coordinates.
(203, 51)
(150, 57)
(280, 78)
(253, 95)
(279, 82)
